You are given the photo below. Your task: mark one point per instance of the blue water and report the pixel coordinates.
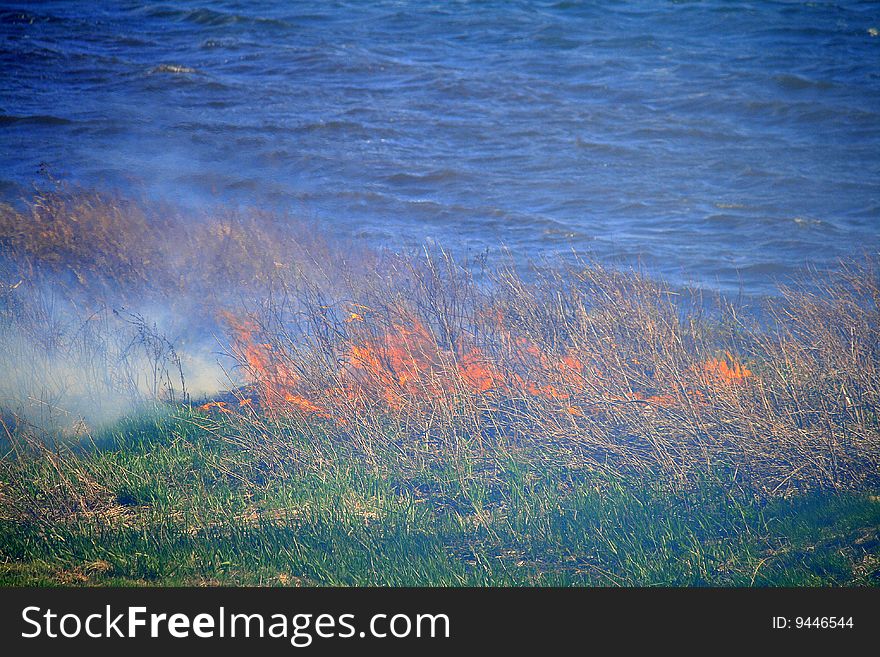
(723, 144)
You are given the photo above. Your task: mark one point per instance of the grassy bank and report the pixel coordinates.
(188, 500)
(313, 414)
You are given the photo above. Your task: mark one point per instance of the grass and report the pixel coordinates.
(179, 500)
(413, 419)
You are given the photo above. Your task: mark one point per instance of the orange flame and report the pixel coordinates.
(214, 405)
(403, 368)
(726, 370)
(306, 406)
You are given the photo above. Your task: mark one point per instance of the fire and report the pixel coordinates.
(214, 405)
(266, 369)
(305, 405)
(403, 368)
(726, 370)
(476, 373)
(406, 365)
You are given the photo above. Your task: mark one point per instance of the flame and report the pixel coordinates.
(305, 405)
(214, 405)
(726, 370)
(406, 365)
(662, 400)
(477, 374)
(403, 369)
(266, 369)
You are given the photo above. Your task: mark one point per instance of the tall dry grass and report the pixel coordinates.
(427, 358)
(108, 304)
(584, 366)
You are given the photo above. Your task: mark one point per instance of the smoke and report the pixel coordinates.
(109, 307)
(68, 367)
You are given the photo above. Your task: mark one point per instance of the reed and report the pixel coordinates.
(433, 420)
(581, 365)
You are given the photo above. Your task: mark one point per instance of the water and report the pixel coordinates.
(722, 144)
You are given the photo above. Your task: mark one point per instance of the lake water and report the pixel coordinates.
(723, 144)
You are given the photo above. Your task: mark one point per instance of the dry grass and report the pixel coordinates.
(415, 420)
(582, 366)
(587, 366)
(104, 248)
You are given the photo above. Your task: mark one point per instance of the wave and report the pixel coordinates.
(175, 69)
(35, 119)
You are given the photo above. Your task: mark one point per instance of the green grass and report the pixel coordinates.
(187, 500)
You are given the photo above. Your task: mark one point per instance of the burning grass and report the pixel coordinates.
(548, 424)
(585, 365)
